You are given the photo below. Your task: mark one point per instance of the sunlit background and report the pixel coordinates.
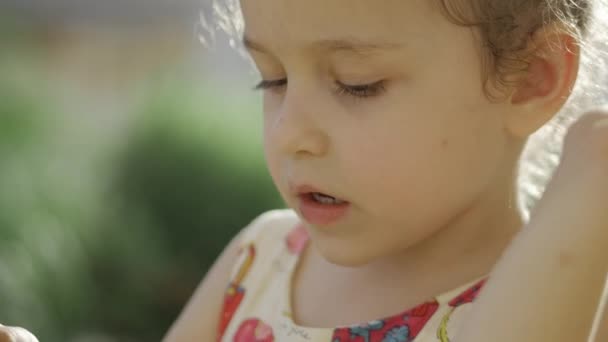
(129, 155)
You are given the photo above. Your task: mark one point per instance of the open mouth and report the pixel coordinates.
(324, 198)
(320, 208)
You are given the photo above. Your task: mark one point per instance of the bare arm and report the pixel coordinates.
(200, 318)
(548, 283)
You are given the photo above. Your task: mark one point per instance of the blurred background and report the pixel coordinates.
(129, 155)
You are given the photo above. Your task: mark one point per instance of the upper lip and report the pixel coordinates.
(306, 189)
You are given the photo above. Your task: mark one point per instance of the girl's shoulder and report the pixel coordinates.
(266, 254)
(241, 266)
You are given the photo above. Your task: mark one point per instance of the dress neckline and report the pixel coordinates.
(300, 235)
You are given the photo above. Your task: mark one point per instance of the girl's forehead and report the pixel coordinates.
(303, 22)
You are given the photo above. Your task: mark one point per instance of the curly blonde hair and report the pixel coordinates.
(506, 26)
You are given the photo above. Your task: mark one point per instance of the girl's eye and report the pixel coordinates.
(263, 85)
(357, 91)
(361, 90)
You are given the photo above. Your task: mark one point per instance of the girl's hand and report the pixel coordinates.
(579, 186)
(15, 334)
(548, 282)
(587, 140)
(585, 154)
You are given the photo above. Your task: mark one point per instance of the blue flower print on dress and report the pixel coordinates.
(365, 330)
(398, 334)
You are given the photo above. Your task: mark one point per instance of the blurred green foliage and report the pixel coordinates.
(181, 195)
(109, 246)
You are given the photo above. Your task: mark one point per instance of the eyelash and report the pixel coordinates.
(359, 91)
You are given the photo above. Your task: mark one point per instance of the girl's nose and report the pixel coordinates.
(296, 130)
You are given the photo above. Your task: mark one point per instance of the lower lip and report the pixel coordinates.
(321, 214)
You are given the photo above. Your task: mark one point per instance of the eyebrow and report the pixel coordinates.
(349, 44)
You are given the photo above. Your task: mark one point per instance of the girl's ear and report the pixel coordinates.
(546, 84)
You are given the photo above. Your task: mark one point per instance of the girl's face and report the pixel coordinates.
(410, 153)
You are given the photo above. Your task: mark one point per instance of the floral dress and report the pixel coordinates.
(257, 300)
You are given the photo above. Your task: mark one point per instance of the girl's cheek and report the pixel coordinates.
(271, 160)
(271, 101)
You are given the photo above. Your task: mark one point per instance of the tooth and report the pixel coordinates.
(325, 199)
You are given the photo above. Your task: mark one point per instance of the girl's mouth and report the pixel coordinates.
(322, 209)
(325, 199)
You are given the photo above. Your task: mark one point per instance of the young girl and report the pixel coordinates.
(393, 130)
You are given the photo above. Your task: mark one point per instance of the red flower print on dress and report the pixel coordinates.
(254, 330)
(469, 295)
(235, 292)
(461, 301)
(402, 328)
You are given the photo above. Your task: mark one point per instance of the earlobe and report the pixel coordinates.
(547, 82)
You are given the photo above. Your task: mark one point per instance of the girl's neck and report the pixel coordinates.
(464, 249)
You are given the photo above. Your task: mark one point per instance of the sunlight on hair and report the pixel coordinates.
(543, 151)
(223, 17)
